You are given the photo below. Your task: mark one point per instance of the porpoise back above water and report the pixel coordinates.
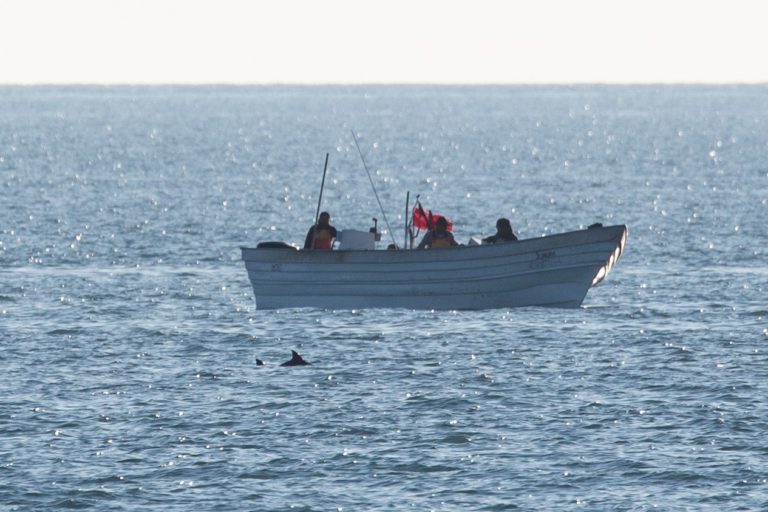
(296, 360)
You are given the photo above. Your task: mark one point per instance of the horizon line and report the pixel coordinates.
(378, 84)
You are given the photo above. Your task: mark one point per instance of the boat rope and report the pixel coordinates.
(374, 188)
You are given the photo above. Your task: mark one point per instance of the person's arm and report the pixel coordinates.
(308, 240)
(453, 240)
(427, 240)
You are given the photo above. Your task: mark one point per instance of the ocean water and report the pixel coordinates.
(129, 333)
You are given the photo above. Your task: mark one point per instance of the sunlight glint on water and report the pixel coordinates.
(130, 337)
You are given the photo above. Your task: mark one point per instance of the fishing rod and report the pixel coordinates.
(320, 199)
(373, 187)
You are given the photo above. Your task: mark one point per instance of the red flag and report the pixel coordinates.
(426, 220)
(420, 219)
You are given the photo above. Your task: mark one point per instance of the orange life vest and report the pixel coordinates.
(322, 239)
(440, 242)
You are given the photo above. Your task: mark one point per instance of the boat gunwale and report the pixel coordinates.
(426, 256)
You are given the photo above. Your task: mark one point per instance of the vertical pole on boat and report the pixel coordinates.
(320, 199)
(407, 202)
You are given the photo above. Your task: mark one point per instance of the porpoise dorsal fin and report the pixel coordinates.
(296, 360)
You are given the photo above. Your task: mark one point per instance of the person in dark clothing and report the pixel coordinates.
(439, 237)
(503, 233)
(321, 235)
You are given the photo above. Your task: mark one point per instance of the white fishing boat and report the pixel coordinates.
(555, 270)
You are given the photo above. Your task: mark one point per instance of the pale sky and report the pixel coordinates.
(384, 41)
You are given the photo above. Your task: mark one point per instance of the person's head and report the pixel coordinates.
(441, 225)
(504, 227)
(325, 218)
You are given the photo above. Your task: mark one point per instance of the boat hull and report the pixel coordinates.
(555, 270)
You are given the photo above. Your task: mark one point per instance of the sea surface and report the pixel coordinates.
(129, 333)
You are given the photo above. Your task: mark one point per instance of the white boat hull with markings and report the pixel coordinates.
(555, 270)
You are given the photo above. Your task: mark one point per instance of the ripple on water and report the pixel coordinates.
(129, 330)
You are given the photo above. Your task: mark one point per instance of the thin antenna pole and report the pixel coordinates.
(320, 199)
(374, 188)
(407, 202)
